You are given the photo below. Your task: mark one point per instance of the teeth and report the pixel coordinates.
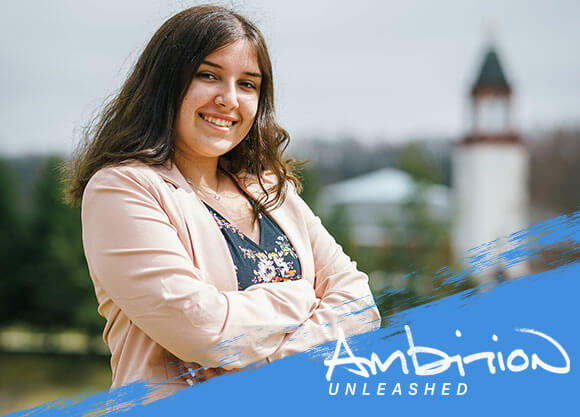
(219, 122)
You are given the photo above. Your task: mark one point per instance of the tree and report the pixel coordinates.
(310, 186)
(554, 167)
(59, 286)
(13, 297)
(417, 162)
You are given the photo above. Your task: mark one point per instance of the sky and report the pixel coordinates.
(387, 71)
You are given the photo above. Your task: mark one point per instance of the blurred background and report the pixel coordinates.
(432, 127)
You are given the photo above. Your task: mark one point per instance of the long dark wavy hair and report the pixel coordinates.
(137, 124)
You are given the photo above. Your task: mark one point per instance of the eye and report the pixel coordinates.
(248, 84)
(206, 75)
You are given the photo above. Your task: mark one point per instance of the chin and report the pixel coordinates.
(218, 152)
(208, 147)
(223, 148)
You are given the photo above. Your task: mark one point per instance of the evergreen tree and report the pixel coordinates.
(13, 296)
(62, 295)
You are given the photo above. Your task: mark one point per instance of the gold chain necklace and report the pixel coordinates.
(208, 191)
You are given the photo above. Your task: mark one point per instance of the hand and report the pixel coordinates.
(194, 373)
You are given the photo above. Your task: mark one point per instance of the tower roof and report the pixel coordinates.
(491, 74)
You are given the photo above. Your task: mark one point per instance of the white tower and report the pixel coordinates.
(490, 172)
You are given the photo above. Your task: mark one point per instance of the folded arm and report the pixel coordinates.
(346, 301)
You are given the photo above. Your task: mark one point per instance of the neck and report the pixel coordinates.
(202, 172)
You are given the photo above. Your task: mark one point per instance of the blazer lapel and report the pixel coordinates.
(210, 251)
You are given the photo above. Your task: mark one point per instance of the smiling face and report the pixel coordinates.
(220, 104)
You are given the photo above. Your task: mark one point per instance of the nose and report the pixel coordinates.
(227, 97)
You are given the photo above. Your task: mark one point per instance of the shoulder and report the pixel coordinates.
(269, 189)
(269, 181)
(136, 171)
(132, 176)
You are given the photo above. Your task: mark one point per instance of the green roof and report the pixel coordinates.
(491, 74)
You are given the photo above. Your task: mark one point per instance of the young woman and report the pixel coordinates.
(201, 252)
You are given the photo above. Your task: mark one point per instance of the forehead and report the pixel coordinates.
(239, 55)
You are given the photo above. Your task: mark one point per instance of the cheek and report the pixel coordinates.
(185, 110)
(252, 111)
(196, 96)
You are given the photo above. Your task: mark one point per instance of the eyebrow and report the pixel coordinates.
(251, 74)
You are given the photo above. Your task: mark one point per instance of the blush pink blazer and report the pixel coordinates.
(166, 284)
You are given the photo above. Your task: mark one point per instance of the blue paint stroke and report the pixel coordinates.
(544, 301)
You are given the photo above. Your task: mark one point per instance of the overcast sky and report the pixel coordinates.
(376, 70)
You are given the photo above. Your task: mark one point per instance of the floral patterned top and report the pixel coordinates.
(273, 260)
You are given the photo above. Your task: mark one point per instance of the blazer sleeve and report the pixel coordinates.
(135, 254)
(346, 302)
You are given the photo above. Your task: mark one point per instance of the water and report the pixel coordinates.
(28, 380)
